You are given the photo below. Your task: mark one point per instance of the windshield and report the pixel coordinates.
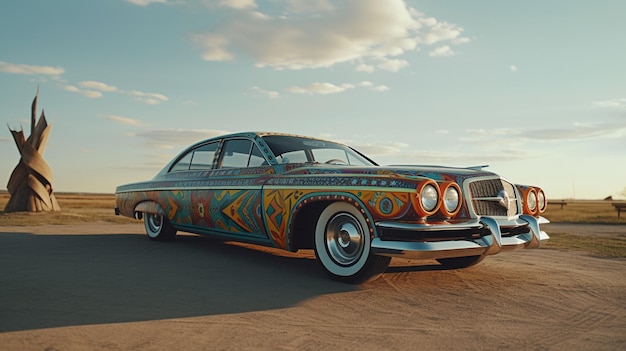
(291, 149)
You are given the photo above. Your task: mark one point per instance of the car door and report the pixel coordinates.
(231, 204)
(186, 185)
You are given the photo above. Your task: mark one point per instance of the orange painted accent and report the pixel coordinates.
(386, 204)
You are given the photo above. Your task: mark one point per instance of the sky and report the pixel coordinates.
(535, 89)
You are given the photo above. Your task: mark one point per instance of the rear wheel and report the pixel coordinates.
(343, 245)
(158, 227)
(460, 262)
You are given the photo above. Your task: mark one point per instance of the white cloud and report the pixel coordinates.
(380, 88)
(365, 68)
(318, 88)
(170, 138)
(392, 65)
(148, 98)
(238, 4)
(403, 154)
(30, 69)
(90, 84)
(146, 2)
(513, 68)
(578, 131)
(304, 6)
(381, 149)
(314, 34)
(519, 136)
(619, 103)
(440, 31)
(214, 47)
(92, 94)
(268, 93)
(443, 50)
(89, 88)
(94, 89)
(123, 120)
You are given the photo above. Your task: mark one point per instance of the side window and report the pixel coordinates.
(183, 163)
(256, 158)
(236, 153)
(240, 153)
(325, 155)
(203, 157)
(297, 156)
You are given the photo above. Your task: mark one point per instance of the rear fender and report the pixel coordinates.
(148, 207)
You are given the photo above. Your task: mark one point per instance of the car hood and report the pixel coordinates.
(438, 173)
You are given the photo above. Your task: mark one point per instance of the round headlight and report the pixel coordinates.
(451, 199)
(541, 199)
(531, 200)
(429, 197)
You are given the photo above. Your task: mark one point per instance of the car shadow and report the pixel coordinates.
(66, 280)
(417, 268)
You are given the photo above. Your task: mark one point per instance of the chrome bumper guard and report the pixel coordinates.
(487, 245)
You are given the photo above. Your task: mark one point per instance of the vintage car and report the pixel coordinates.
(293, 192)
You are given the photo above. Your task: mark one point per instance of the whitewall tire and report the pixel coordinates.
(158, 227)
(343, 245)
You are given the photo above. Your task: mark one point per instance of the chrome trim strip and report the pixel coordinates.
(426, 227)
(426, 250)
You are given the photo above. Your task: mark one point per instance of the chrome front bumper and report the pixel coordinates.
(486, 245)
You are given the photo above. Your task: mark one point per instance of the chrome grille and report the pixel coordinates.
(486, 197)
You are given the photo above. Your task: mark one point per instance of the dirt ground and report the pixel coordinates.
(106, 287)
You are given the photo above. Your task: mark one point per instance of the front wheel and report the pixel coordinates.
(343, 245)
(158, 227)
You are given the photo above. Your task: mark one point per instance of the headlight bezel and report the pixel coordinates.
(450, 209)
(427, 187)
(542, 201)
(530, 202)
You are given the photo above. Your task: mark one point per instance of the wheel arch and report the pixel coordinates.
(148, 206)
(302, 230)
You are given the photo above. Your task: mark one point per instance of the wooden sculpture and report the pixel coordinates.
(30, 184)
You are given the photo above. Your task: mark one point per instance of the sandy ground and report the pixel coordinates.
(106, 287)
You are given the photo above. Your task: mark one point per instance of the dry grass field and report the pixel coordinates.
(584, 211)
(75, 208)
(588, 212)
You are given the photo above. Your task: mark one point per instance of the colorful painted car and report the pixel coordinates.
(293, 192)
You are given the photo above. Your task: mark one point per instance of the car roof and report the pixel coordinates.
(254, 135)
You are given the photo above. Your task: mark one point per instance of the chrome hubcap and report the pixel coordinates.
(344, 239)
(154, 221)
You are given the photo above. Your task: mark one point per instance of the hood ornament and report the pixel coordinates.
(504, 200)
